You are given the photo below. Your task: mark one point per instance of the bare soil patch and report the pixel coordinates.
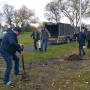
(73, 57)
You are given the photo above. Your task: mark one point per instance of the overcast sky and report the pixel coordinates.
(36, 5)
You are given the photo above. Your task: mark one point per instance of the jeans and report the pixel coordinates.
(35, 46)
(81, 49)
(8, 59)
(44, 41)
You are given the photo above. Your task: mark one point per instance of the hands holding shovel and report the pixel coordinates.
(22, 47)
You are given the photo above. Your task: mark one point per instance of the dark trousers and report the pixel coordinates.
(81, 49)
(88, 46)
(35, 44)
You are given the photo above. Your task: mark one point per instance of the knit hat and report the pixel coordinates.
(18, 29)
(76, 30)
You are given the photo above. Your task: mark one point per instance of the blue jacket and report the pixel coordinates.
(81, 38)
(10, 43)
(45, 34)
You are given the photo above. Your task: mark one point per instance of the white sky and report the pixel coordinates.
(36, 5)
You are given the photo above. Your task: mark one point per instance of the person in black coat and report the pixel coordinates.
(36, 37)
(8, 51)
(81, 40)
(88, 38)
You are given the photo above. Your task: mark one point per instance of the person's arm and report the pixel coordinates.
(32, 34)
(48, 33)
(79, 37)
(20, 49)
(41, 35)
(12, 42)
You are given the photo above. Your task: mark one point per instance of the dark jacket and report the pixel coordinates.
(45, 34)
(9, 30)
(37, 37)
(10, 43)
(88, 35)
(81, 38)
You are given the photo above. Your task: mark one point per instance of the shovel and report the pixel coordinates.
(24, 74)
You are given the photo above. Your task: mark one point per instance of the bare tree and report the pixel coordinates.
(16, 18)
(1, 14)
(70, 9)
(8, 12)
(24, 16)
(52, 12)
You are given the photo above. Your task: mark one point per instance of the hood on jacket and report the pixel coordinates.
(9, 30)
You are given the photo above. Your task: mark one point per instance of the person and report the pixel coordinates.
(36, 37)
(88, 38)
(84, 34)
(1, 34)
(44, 37)
(8, 51)
(81, 40)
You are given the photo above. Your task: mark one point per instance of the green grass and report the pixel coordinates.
(25, 39)
(52, 52)
(50, 71)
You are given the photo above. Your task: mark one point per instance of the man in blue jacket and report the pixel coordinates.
(8, 49)
(81, 40)
(44, 37)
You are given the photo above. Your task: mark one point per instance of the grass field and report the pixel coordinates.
(52, 52)
(25, 39)
(50, 71)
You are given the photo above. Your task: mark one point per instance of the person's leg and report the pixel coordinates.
(88, 43)
(46, 44)
(79, 49)
(16, 66)
(82, 50)
(35, 44)
(42, 41)
(8, 59)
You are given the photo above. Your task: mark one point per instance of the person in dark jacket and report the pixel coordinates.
(8, 49)
(88, 38)
(81, 40)
(44, 37)
(36, 37)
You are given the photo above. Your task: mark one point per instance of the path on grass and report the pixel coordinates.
(31, 48)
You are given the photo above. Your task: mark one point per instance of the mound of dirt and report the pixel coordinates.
(73, 57)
